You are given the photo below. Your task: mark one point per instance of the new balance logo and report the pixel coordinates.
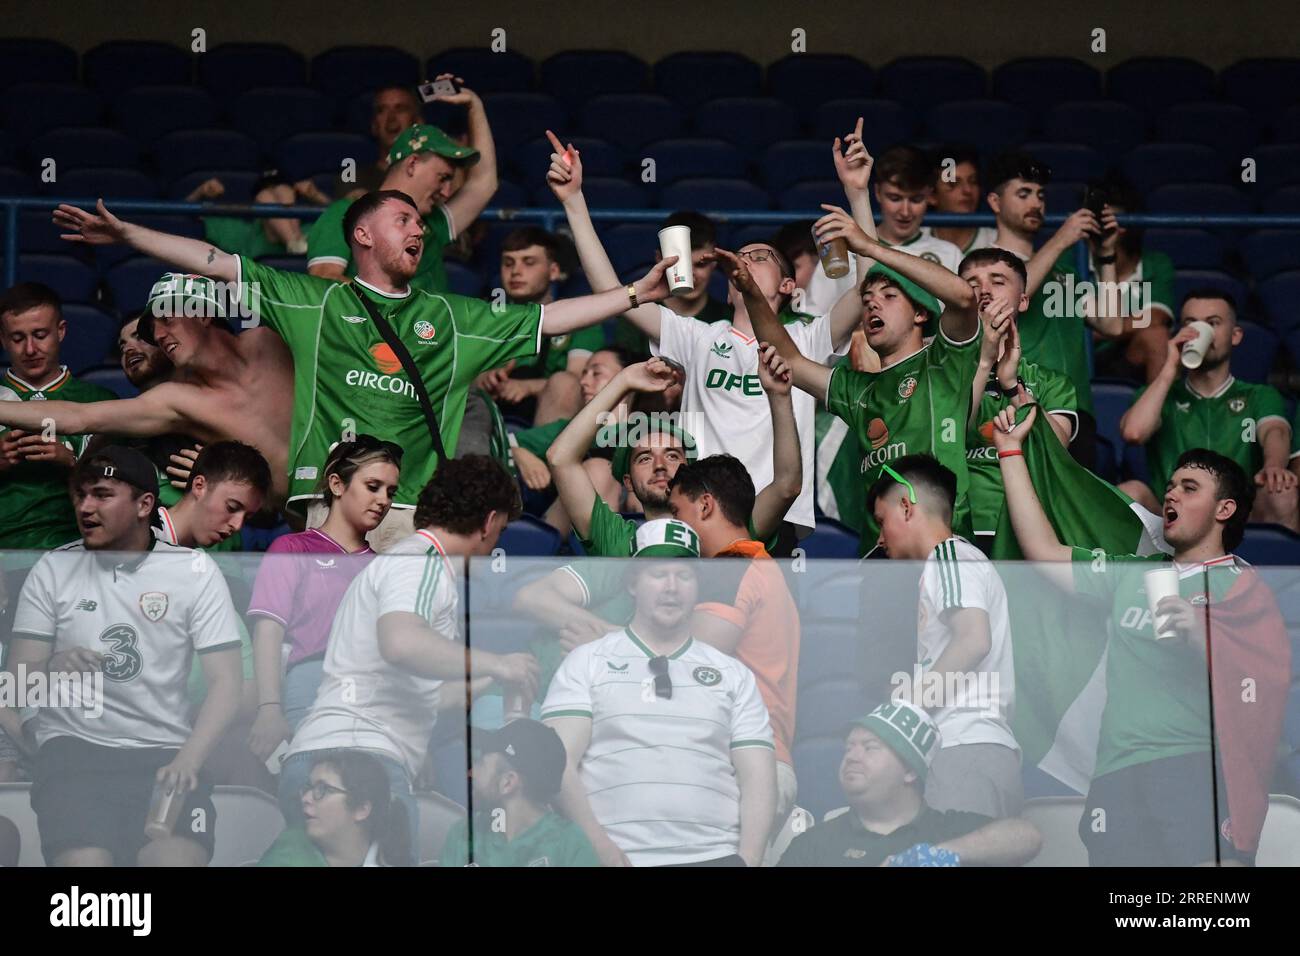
(86, 605)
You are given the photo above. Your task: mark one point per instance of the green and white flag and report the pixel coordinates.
(841, 486)
(1059, 640)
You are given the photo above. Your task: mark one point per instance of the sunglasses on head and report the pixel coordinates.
(368, 443)
(886, 470)
(663, 683)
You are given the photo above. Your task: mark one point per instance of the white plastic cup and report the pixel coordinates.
(1194, 351)
(1160, 584)
(676, 241)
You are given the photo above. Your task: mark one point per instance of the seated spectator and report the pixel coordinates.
(349, 818)
(295, 600)
(1207, 407)
(34, 508)
(516, 775)
(639, 796)
(138, 622)
(957, 189)
(260, 237)
(542, 388)
(229, 482)
(394, 109)
(964, 673)
(395, 639)
(888, 822)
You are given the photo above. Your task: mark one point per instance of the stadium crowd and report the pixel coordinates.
(934, 396)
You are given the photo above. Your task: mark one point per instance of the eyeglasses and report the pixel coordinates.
(663, 683)
(319, 791)
(756, 255)
(886, 470)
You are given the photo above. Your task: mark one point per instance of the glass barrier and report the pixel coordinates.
(706, 712)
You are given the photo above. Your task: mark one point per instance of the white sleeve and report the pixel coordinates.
(37, 613)
(823, 292)
(961, 583)
(212, 622)
(570, 692)
(814, 338)
(678, 335)
(750, 726)
(414, 584)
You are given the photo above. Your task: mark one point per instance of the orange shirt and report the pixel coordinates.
(754, 597)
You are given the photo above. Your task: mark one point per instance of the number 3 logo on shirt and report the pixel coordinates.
(123, 661)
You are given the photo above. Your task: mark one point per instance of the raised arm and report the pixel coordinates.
(1081, 224)
(102, 228)
(147, 414)
(569, 315)
(772, 502)
(813, 377)
(565, 179)
(1144, 416)
(481, 180)
(853, 166)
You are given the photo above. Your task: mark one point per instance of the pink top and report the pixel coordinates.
(303, 593)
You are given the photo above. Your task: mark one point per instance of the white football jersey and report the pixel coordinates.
(148, 614)
(823, 292)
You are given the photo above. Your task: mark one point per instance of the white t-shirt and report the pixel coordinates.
(658, 771)
(978, 711)
(984, 237)
(723, 404)
(364, 702)
(822, 292)
(148, 616)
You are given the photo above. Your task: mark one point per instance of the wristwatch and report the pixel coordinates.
(631, 295)
(1011, 392)
(1104, 260)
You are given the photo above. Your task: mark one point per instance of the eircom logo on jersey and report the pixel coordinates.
(386, 380)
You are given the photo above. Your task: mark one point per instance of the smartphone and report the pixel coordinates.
(277, 758)
(1094, 198)
(431, 88)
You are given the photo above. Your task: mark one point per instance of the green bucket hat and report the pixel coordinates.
(423, 138)
(177, 294)
(666, 538)
(621, 462)
(907, 730)
(914, 292)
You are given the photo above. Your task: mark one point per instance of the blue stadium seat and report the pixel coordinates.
(120, 65)
(71, 278)
(1110, 400)
(694, 158)
(599, 158)
(603, 193)
(147, 112)
(188, 150)
(749, 123)
(307, 154)
(8, 153)
(631, 119)
(1286, 125)
(14, 182)
(1154, 83)
(483, 70)
(1270, 251)
(1067, 160)
(817, 765)
(1037, 83)
(1185, 280)
(31, 109)
(920, 82)
(1226, 128)
(1188, 248)
(884, 124)
(1063, 195)
(1281, 297)
(804, 80)
(90, 338)
(689, 79)
(1110, 128)
(108, 184)
(108, 256)
(1152, 165)
(1269, 545)
(1133, 464)
(1107, 461)
(510, 195)
(270, 114)
(518, 118)
(24, 60)
(1265, 86)
(114, 379)
(1198, 198)
(1276, 165)
(86, 147)
(129, 281)
(825, 708)
(631, 243)
(345, 71)
(1253, 358)
(463, 280)
(574, 77)
(529, 537)
(807, 197)
(230, 69)
(238, 182)
(37, 233)
(712, 194)
(795, 161)
(1285, 201)
(989, 125)
(830, 539)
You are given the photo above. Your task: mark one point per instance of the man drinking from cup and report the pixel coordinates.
(1196, 401)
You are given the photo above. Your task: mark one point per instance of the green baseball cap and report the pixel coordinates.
(423, 138)
(179, 294)
(913, 291)
(907, 730)
(621, 462)
(666, 538)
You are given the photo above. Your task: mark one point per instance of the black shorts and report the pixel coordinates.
(86, 795)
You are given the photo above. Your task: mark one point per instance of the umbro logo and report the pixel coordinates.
(1183, 406)
(354, 319)
(616, 667)
(87, 605)
(721, 349)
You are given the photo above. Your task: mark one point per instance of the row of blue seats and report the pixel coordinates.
(1262, 85)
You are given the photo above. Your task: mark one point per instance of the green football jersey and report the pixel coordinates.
(35, 508)
(554, 356)
(348, 381)
(1053, 334)
(241, 237)
(919, 405)
(551, 841)
(1157, 695)
(327, 244)
(1054, 393)
(1227, 422)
